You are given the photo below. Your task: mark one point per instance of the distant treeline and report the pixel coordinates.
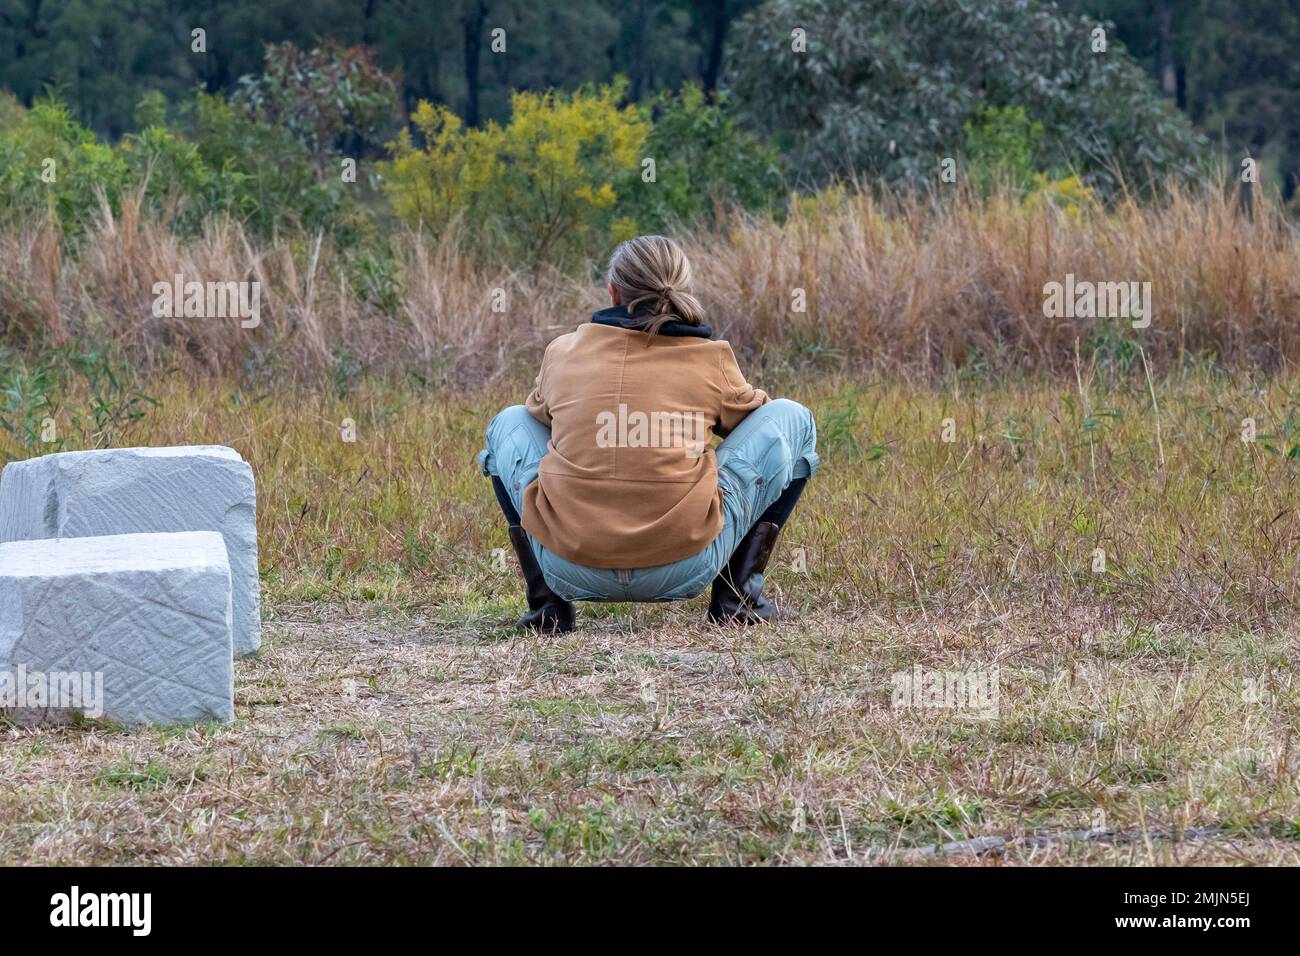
(1229, 65)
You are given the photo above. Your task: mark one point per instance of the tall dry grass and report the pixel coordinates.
(454, 321)
(923, 284)
(910, 284)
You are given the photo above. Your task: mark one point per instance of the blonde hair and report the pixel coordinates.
(654, 270)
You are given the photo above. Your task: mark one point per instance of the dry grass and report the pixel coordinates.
(919, 287)
(393, 715)
(373, 736)
(908, 285)
(1039, 476)
(449, 319)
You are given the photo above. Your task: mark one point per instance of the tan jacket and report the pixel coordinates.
(630, 479)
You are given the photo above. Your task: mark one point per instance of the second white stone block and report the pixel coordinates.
(144, 490)
(143, 619)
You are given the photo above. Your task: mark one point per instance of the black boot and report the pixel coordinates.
(547, 611)
(738, 589)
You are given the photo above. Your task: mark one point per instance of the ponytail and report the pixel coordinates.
(653, 271)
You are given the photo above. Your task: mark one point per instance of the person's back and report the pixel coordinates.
(630, 478)
(607, 476)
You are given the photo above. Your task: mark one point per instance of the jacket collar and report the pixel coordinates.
(618, 317)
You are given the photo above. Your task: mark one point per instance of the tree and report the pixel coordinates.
(472, 21)
(886, 88)
(712, 21)
(327, 98)
(1232, 66)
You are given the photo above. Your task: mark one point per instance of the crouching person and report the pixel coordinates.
(608, 478)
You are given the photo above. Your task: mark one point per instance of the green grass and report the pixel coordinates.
(394, 716)
(141, 779)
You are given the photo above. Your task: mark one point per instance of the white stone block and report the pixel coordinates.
(80, 494)
(151, 613)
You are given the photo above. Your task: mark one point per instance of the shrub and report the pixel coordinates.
(78, 168)
(539, 189)
(1001, 146)
(430, 186)
(703, 163)
(178, 184)
(269, 178)
(1068, 194)
(227, 164)
(66, 396)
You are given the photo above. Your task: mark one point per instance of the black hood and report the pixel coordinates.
(617, 316)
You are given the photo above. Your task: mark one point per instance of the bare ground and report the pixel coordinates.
(368, 736)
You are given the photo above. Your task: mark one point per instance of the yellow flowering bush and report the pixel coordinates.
(540, 189)
(1068, 194)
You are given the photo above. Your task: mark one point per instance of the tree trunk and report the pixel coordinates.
(1165, 50)
(368, 35)
(641, 42)
(474, 20)
(718, 21)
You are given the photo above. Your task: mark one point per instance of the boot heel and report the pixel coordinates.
(737, 596)
(547, 611)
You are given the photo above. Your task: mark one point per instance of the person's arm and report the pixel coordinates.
(537, 405)
(739, 398)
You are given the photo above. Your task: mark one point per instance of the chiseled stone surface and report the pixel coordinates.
(151, 612)
(139, 490)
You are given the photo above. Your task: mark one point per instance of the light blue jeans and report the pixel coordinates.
(775, 444)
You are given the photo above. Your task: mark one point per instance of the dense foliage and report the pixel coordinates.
(704, 162)
(329, 98)
(105, 54)
(571, 174)
(888, 88)
(538, 188)
(305, 153)
(1231, 65)
(263, 156)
